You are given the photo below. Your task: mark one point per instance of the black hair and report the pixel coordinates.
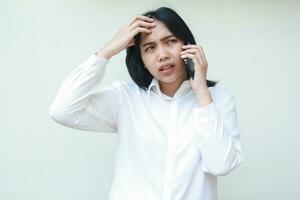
(139, 74)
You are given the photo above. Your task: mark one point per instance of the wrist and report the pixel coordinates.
(204, 97)
(202, 91)
(104, 53)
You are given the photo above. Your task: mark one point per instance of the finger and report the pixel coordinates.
(188, 46)
(131, 43)
(203, 54)
(199, 48)
(194, 58)
(140, 17)
(142, 24)
(195, 52)
(191, 46)
(139, 30)
(191, 56)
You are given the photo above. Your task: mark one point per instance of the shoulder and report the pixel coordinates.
(125, 86)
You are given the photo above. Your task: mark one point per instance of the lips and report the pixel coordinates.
(166, 67)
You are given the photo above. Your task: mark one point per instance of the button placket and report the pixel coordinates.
(171, 152)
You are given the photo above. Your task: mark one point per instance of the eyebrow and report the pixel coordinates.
(164, 38)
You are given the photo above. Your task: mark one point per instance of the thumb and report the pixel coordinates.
(131, 43)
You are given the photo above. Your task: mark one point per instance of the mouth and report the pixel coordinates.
(167, 69)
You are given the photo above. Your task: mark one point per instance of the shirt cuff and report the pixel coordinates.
(96, 63)
(94, 56)
(203, 116)
(206, 114)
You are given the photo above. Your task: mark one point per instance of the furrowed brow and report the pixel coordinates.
(164, 38)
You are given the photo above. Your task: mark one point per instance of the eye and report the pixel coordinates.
(171, 41)
(151, 47)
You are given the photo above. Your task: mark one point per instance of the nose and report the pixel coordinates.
(163, 54)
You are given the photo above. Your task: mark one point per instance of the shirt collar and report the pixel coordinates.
(154, 86)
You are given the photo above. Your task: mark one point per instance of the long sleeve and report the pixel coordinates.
(75, 105)
(219, 136)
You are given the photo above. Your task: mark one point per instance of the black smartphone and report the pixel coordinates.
(189, 67)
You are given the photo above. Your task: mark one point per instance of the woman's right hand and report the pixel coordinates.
(124, 37)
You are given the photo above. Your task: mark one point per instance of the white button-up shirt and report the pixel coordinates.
(168, 148)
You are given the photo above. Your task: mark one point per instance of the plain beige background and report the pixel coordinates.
(251, 46)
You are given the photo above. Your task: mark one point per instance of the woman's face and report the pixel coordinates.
(161, 48)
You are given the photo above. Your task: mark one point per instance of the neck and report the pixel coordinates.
(170, 89)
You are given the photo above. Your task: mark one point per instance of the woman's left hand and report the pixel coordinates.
(197, 55)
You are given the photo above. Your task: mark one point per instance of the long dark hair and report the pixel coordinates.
(139, 74)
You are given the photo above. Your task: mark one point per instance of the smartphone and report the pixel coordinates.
(189, 67)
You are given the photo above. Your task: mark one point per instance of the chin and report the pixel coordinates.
(168, 79)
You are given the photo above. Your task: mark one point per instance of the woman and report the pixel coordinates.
(176, 132)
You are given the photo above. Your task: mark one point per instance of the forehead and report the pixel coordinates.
(158, 33)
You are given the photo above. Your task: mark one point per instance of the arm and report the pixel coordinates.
(219, 136)
(75, 106)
